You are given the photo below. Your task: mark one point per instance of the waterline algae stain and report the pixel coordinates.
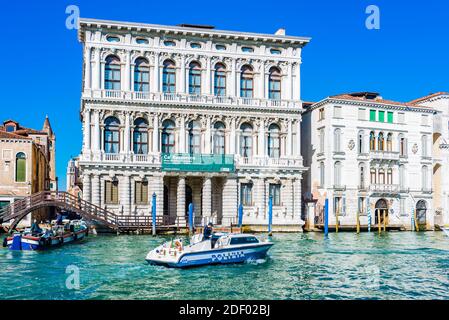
(299, 266)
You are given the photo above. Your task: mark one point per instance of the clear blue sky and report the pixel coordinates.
(407, 58)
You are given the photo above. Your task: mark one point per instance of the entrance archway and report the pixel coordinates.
(381, 209)
(421, 212)
(166, 199)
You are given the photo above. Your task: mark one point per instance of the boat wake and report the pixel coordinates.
(256, 261)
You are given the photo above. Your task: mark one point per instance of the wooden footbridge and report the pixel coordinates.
(19, 209)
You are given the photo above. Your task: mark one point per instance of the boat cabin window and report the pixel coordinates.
(244, 240)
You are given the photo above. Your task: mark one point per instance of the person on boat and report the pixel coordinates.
(207, 233)
(35, 229)
(59, 219)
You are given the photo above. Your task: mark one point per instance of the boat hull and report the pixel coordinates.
(20, 242)
(214, 257)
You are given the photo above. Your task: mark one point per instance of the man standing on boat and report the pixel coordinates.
(207, 233)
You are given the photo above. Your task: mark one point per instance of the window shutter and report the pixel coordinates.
(138, 192)
(21, 170)
(144, 194)
(372, 115)
(343, 210)
(115, 192)
(108, 192)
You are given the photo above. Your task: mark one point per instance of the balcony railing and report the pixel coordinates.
(384, 188)
(384, 155)
(268, 162)
(189, 98)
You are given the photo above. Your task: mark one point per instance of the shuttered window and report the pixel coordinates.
(20, 167)
(141, 193)
(381, 116)
(111, 192)
(372, 115)
(390, 117)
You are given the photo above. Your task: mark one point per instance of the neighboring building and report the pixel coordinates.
(27, 162)
(365, 151)
(72, 178)
(440, 149)
(194, 115)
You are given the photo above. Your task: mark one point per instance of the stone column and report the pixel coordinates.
(207, 88)
(261, 137)
(155, 133)
(181, 200)
(262, 198)
(232, 149)
(297, 202)
(125, 194)
(182, 134)
(182, 84)
(96, 189)
(287, 198)
(127, 72)
(96, 76)
(297, 150)
(156, 73)
(297, 82)
(261, 90)
(288, 149)
(86, 133)
(207, 137)
(97, 136)
(87, 68)
(207, 199)
(156, 185)
(230, 201)
(232, 86)
(87, 187)
(126, 138)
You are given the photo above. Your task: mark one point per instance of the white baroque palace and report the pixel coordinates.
(368, 153)
(193, 115)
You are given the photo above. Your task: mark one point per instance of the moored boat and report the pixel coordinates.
(220, 248)
(47, 237)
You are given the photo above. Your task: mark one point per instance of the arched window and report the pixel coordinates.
(246, 140)
(372, 141)
(21, 167)
(362, 175)
(337, 173)
(194, 78)
(381, 142)
(402, 145)
(322, 175)
(390, 176)
(337, 140)
(274, 84)
(112, 74)
(194, 137)
(168, 136)
(112, 135)
(424, 146)
(140, 136)
(246, 82)
(219, 138)
(425, 177)
(220, 80)
(390, 142)
(381, 176)
(360, 148)
(274, 141)
(141, 75)
(373, 176)
(169, 77)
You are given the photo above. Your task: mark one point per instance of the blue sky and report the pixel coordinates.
(407, 58)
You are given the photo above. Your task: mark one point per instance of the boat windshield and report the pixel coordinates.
(244, 240)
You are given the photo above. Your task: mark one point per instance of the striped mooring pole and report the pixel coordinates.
(153, 214)
(191, 218)
(240, 216)
(326, 218)
(270, 215)
(369, 215)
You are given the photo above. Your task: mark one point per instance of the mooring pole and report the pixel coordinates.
(153, 214)
(358, 222)
(369, 215)
(191, 218)
(240, 213)
(379, 226)
(326, 218)
(416, 220)
(336, 220)
(385, 220)
(270, 215)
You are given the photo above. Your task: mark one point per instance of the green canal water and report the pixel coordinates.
(300, 266)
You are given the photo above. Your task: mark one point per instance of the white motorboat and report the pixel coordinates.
(220, 248)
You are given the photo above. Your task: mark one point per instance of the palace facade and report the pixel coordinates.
(193, 115)
(367, 154)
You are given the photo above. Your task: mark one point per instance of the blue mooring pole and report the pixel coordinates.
(191, 218)
(240, 213)
(326, 218)
(153, 213)
(270, 214)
